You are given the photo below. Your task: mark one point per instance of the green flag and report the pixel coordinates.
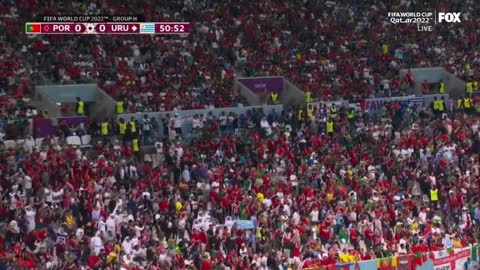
(189, 59)
(474, 253)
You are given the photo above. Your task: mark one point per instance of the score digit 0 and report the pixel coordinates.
(101, 27)
(78, 28)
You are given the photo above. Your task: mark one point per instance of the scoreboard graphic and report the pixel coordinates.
(99, 28)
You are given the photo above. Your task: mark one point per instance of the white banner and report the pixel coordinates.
(375, 104)
(445, 261)
(325, 106)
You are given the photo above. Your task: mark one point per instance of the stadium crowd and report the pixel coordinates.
(308, 191)
(334, 50)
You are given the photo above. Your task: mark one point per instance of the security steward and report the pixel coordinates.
(459, 104)
(136, 148)
(308, 97)
(436, 106)
(351, 115)
(310, 112)
(469, 88)
(122, 128)
(333, 111)
(274, 97)
(80, 106)
(441, 106)
(119, 108)
(104, 130)
(329, 127)
(132, 125)
(441, 88)
(300, 115)
(467, 104)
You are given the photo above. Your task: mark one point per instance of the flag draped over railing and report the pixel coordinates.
(417, 261)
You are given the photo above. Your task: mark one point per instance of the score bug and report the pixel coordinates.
(171, 28)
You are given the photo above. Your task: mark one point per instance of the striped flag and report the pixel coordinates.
(147, 28)
(244, 224)
(343, 266)
(416, 102)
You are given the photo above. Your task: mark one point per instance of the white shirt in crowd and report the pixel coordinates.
(314, 215)
(30, 218)
(422, 217)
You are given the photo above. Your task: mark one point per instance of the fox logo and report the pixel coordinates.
(451, 17)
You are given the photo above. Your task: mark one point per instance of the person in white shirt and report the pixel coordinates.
(402, 247)
(48, 195)
(314, 215)
(110, 223)
(196, 123)
(266, 126)
(13, 200)
(177, 124)
(179, 150)
(135, 241)
(186, 174)
(159, 151)
(296, 218)
(102, 225)
(127, 245)
(422, 218)
(243, 251)
(222, 119)
(30, 218)
(96, 244)
(80, 234)
(28, 185)
(138, 229)
(78, 154)
(57, 196)
(43, 155)
(267, 202)
(138, 252)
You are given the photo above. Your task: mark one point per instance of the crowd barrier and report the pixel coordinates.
(46, 127)
(48, 97)
(439, 260)
(375, 105)
(257, 90)
(454, 86)
(186, 116)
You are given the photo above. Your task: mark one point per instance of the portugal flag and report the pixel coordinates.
(385, 264)
(32, 28)
(405, 262)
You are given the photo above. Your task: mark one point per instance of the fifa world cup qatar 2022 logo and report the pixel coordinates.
(424, 21)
